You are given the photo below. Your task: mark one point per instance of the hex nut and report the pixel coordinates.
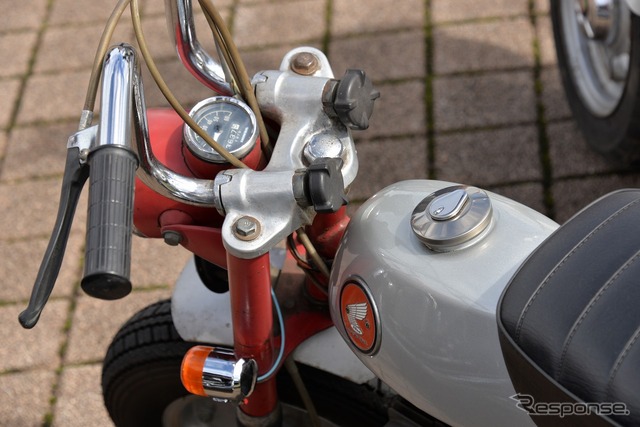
(305, 63)
(246, 228)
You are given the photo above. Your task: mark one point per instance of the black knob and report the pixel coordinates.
(322, 186)
(353, 98)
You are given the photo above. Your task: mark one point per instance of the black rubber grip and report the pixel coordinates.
(109, 222)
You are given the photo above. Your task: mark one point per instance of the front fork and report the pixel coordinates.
(252, 317)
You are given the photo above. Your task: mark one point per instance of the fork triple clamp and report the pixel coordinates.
(101, 153)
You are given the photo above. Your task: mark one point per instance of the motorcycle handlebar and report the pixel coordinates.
(112, 165)
(183, 32)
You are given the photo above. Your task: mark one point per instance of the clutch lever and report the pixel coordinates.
(102, 154)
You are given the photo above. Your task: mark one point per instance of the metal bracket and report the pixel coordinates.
(267, 198)
(84, 140)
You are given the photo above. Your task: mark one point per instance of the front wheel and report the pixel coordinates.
(598, 49)
(141, 384)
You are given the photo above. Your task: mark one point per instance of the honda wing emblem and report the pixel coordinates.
(356, 312)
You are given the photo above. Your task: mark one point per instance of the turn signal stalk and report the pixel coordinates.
(217, 373)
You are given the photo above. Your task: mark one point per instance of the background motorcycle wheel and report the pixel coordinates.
(601, 77)
(141, 384)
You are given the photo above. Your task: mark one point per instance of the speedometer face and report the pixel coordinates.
(228, 121)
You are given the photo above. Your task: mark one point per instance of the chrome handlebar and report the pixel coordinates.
(183, 32)
(162, 180)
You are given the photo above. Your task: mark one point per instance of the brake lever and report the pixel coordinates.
(103, 155)
(75, 175)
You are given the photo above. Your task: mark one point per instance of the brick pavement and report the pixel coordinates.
(470, 93)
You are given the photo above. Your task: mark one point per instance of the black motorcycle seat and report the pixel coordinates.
(569, 320)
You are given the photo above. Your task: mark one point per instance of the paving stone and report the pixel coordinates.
(572, 195)
(570, 154)
(545, 41)
(484, 100)
(79, 401)
(24, 398)
(400, 110)
(385, 162)
(17, 60)
(37, 151)
(529, 194)
(483, 46)
(541, 6)
(370, 16)
(553, 95)
(20, 261)
(14, 17)
(83, 40)
(49, 98)
(32, 348)
(69, 12)
(460, 10)
(384, 57)
(9, 90)
(485, 158)
(154, 263)
(262, 1)
(263, 24)
(3, 148)
(29, 209)
(95, 323)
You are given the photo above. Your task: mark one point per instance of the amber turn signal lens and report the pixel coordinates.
(192, 368)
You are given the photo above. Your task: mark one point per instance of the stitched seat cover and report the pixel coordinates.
(569, 321)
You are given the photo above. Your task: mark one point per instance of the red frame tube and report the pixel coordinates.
(252, 317)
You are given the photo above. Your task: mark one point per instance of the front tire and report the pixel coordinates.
(601, 77)
(141, 371)
(141, 383)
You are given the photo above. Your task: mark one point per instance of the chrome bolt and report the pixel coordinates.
(172, 238)
(322, 146)
(305, 63)
(246, 228)
(84, 155)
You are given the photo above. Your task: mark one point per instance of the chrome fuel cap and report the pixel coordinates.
(452, 218)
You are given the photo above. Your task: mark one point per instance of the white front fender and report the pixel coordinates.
(203, 316)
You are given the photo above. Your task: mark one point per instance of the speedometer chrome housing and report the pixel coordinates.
(229, 121)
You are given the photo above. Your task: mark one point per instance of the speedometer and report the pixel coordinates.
(228, 121)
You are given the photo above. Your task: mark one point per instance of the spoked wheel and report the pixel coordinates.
(598, 49)
(141, 384)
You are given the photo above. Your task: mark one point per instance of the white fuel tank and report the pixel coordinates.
(414, 291)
